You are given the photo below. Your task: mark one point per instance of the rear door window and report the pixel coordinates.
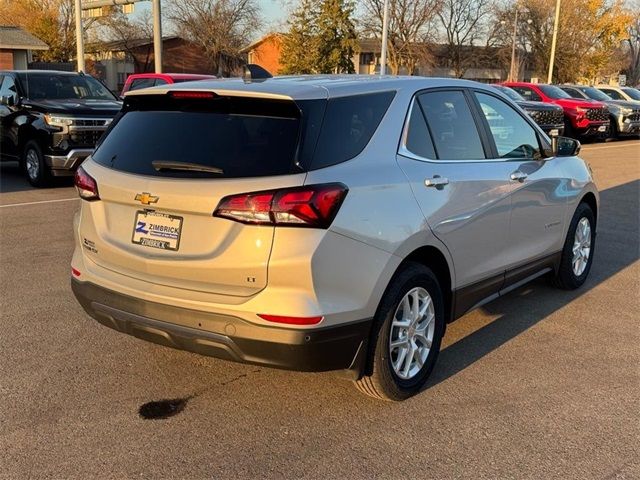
(452, 126)
(242, 137)
(418, 139)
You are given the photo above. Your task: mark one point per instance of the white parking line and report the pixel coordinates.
(602, 147)
(36, 203)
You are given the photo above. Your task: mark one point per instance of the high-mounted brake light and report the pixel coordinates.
(201, 95)
(86, 185)
(312, 206)
(291, 320)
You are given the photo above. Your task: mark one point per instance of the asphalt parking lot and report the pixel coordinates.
(539, 384)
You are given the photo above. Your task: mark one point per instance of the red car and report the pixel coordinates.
(582, 118)
(146, 80)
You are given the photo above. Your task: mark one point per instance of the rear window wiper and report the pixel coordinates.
(161, 165)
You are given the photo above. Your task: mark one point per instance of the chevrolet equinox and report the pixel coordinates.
(324, 222)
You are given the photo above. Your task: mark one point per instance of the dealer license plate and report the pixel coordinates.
(157, 230)
(602, 128)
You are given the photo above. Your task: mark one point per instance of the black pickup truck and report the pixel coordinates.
(51, 121)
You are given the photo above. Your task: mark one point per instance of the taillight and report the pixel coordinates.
(310, 206)
(86, 185)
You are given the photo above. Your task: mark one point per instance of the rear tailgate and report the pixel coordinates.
(157, 225)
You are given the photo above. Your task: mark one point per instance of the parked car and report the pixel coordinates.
(620, 93)
(624, 115)
(582, 118)
(137, 81)
(324, 222)
(548, 116)
(51, 121)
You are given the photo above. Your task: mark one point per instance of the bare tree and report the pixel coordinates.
(463, 22)
(633, 53)
(131, 33)
(221, 27)
(410, 28)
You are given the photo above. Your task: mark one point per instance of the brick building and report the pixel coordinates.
(265, 52)
(16, 48)
(119, 59)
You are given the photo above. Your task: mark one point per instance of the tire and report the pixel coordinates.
(613, 129)
(33, 165)
(381, 379)
(567, 277)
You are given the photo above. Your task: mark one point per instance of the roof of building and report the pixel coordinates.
(261, 40)
(304, 87)
(15, 38)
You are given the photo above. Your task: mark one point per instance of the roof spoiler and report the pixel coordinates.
(255, 73)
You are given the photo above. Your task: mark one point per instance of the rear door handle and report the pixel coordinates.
(519, 176)
(437, 181)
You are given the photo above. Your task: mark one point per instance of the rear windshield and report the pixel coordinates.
(233, 137)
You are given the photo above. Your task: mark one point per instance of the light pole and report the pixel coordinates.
(79, 37)
(157, 36)
(553, 42)
(385, 34)
(513, 69)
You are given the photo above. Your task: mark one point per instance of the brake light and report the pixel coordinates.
(310, 206)
(192, 95)
(291, 320)
(86, 185)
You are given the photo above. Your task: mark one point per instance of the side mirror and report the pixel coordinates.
(565, 146)
(7, 100)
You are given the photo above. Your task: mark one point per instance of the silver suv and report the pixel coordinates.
(324, 223)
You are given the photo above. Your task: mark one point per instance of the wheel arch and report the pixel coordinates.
(590, 199)
(434, 259)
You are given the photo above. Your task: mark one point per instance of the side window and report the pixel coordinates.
(454, 132)
(612, 93)
(139, 83)
(528, 93)
(573, 92)
(8, 88)
(160, 81)
(418, 139)
(513, 136)
(348, 125)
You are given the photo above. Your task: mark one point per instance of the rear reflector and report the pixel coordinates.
(201, 95)
(312, 206)
(75, 272)
(86, 185)
(291, 320)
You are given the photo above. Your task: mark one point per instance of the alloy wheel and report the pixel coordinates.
(412, 331)
(581, 247)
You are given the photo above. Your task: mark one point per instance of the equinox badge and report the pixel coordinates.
(146, 198)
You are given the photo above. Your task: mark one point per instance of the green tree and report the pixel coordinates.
(300, 44)
(337, 41)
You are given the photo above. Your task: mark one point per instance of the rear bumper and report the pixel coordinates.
(340, 347)
(67, 164)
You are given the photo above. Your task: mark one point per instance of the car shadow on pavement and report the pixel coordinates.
(12, 179)
(617, 247)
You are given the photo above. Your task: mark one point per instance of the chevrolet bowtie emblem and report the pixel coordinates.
(146, 198)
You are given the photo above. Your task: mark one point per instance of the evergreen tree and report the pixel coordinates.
(299, 46)
(337, 40)
(321, 38)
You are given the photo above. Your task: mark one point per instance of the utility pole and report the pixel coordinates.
(553, 42)
(79, 36)
(385, 34)
(157, 36)
(513, 46)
